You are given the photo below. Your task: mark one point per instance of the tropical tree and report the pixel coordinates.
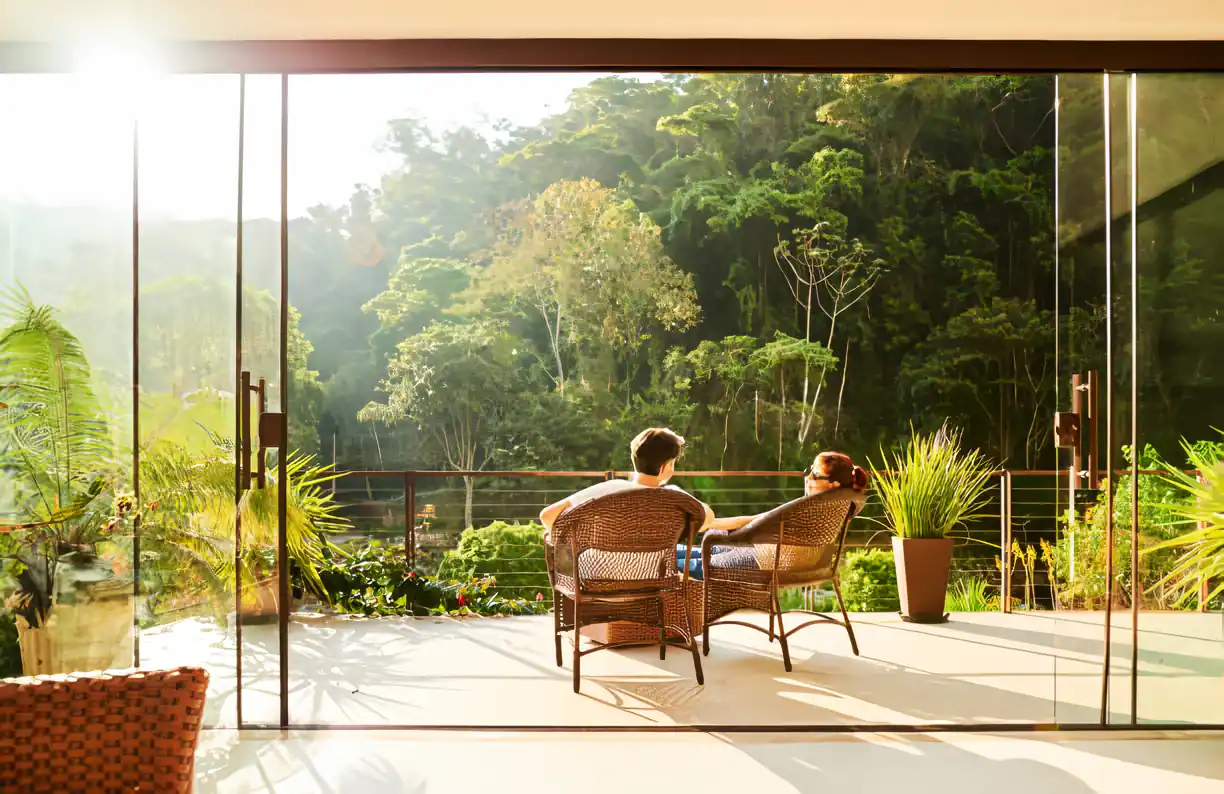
(455, 382)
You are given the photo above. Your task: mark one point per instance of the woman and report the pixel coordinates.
(830, 471)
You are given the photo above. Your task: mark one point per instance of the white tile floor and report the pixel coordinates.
(979, 668)
(389, 762)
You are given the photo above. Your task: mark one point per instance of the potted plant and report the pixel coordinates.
(73, 593)
(927, 491)
(190, 524)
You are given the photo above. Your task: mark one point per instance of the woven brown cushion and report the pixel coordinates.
(101, 732)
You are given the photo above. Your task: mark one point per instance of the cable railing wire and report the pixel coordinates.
(1025, 513)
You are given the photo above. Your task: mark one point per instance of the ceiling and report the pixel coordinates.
(75, 20)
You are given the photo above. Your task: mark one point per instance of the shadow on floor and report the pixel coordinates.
(911, 764)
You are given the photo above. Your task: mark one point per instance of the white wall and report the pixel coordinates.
(70, 20)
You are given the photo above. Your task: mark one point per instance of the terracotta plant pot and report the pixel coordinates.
(922, 577)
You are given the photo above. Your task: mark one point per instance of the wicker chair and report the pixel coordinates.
(796, 545)
(94, 732)
(625, 547)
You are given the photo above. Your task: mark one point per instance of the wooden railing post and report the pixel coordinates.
(1204, 581)
(410, 521)
(1005, 532)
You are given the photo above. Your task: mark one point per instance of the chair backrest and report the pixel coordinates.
(119, 730)
(803, 538)
(626, 535)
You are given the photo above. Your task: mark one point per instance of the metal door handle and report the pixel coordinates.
(271, 432)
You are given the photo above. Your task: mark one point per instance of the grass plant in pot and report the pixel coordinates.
(928, 491)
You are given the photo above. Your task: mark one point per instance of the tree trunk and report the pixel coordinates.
(469, 486)
(841, 392)
(781, 415)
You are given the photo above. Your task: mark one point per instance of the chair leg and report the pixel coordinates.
(688, 619)
(705, 617)
(557, 604)
(776, 606)
(662, 630)
(846, 618)
(577, 648)
(771, 620)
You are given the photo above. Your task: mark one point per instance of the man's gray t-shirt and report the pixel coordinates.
(616, 486)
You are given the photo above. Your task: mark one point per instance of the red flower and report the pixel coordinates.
(462, 600)
(539, 596)
(412, 574)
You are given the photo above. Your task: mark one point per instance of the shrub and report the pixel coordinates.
(969, 595)
(510, 554)
(869, 581)
(1078, 558)
(373, 579)
(821, 600)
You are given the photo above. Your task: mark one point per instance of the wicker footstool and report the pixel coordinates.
(609, 633)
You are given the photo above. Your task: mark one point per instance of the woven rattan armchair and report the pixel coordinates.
(625, 547)
(97, 732)
(796, 545)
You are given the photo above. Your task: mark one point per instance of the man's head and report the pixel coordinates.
(655, 452)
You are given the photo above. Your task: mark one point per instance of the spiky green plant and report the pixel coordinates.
(189, 519)
(932, 487)
(969, 595)
(1201, 548)
(57, 455)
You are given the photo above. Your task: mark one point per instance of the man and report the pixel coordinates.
(655, 452)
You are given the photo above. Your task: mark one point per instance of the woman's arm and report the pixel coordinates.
(729, 523)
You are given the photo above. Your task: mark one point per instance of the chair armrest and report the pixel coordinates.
(721, 537)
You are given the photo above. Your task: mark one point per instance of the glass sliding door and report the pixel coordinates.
(208, 295)
(1084, 560)
(1176, 621)
(186, 293)
(69, 574)
(1137, 557)
(262, 494)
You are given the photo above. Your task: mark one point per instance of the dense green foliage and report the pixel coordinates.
(769, 263)
(869, 581)
(373, 579)
(512, 555)
(1171, 507)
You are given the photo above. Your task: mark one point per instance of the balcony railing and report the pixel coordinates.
(424, 510)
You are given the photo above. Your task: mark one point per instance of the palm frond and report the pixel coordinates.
(1202, 510)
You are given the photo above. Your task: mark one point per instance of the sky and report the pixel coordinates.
(67, 139)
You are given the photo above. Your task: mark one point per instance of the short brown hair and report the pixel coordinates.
(653, 448)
